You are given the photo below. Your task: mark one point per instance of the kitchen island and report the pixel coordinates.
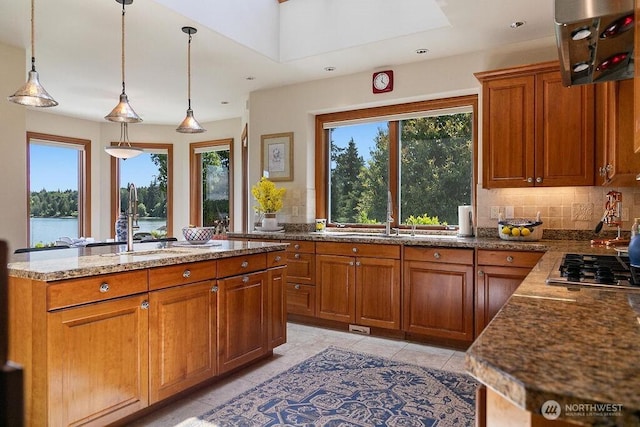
(105, 335)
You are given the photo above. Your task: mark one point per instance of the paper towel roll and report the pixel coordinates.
(465, 220)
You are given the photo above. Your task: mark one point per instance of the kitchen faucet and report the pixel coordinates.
(389, 220)
(132, 215)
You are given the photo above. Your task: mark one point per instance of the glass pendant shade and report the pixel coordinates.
(190, 124)
(123, 150)
(123, 113)
(32, 93)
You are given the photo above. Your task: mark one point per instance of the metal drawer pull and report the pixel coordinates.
(278, 258)
(144, 305)
(297, 256)
(244, 264)
(296, 246)
(436, 255)
(509, 258)
(296, 286)
(245, 279)
(481, 273)
(214, 289)
(186, 273)
(104, 288)
(355, 249)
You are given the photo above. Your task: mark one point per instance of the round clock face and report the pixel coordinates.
(381, 81)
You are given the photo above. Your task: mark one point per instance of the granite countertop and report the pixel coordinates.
(70, 263)
(572, 346)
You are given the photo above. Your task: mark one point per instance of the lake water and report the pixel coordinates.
(48, 230)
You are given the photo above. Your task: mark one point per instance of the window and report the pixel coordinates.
(151, 172)
(415, 158)
(211, 182)
(59, 188)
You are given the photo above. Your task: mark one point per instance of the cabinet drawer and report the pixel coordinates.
(182, 274)
(96, 288)
(508, 258)
(359, 249)
(301, 246)
(276, 259)
(241, 265)
(301, 299)
(444, 255)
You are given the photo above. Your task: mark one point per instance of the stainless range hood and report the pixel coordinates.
(595, 40)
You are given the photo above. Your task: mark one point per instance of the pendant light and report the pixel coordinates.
(123, 111)
(123, 150)
(32, 93)
(189, 124)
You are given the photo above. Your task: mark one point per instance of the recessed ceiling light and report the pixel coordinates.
(250, 78)
(224, 102)
(517, 24)
(329, 69)
(421, 51)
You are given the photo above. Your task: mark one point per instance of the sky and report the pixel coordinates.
(362, 134)
(56, 168)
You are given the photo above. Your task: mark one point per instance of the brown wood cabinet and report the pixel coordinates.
(535, 132)
(242, 320)
(499, 273)
(301, 278)
(438, 292)
(616, 161)
(182, 324)
(358, 283)
(96, 368)
(277, 310)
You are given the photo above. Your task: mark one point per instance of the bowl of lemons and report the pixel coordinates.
(521, 229)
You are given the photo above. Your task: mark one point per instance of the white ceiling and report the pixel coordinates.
(78, 46)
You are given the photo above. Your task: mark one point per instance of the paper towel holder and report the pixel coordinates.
(465, 221)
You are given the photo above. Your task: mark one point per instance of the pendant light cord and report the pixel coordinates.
(189, 71)
(33, 37)
(122, 47)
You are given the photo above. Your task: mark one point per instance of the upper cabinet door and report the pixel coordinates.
(508, 132)
(565, 135)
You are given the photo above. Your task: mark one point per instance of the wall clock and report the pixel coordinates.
(382, 81)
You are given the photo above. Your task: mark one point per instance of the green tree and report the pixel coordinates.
(346, 187)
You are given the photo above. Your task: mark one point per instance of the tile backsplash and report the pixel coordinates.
(570, 208)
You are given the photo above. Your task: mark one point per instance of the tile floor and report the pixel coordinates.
(302, 342)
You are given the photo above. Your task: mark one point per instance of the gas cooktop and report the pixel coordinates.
(603, 271)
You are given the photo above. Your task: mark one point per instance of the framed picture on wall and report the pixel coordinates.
(277, 156)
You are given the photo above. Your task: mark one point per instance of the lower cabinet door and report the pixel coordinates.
(438, 300)
(277, 307)
(335, 288)
(242, 320)
(378, 292)
(183, 338)
(301, 299)
(98, 362)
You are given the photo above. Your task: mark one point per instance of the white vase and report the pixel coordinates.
(269, 221)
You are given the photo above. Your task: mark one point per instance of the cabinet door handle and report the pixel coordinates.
(354, 249)
(214, 289)
(296, 246)
(480, 273)
(539, 179)
(278, 258)
(144, 305)
(529, 180)
(186, 273)
(357, 263)
(104, 288)
(509, 258)
(245, 279)
(436, 255)
(296, 286)
(244, 264)
(350, 262)
(297, 256)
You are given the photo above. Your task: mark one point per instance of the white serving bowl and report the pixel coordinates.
(198, 235)
(534, 229)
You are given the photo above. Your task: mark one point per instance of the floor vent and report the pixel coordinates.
(364, 330)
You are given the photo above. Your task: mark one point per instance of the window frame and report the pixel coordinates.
(84, 178)
(322, 150)
(115, 180)
(195, 179)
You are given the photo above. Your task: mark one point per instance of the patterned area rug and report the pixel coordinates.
(338, 387)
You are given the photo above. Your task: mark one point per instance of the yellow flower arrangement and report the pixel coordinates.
(268, 196)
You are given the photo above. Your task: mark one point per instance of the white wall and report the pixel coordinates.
(13, 153)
